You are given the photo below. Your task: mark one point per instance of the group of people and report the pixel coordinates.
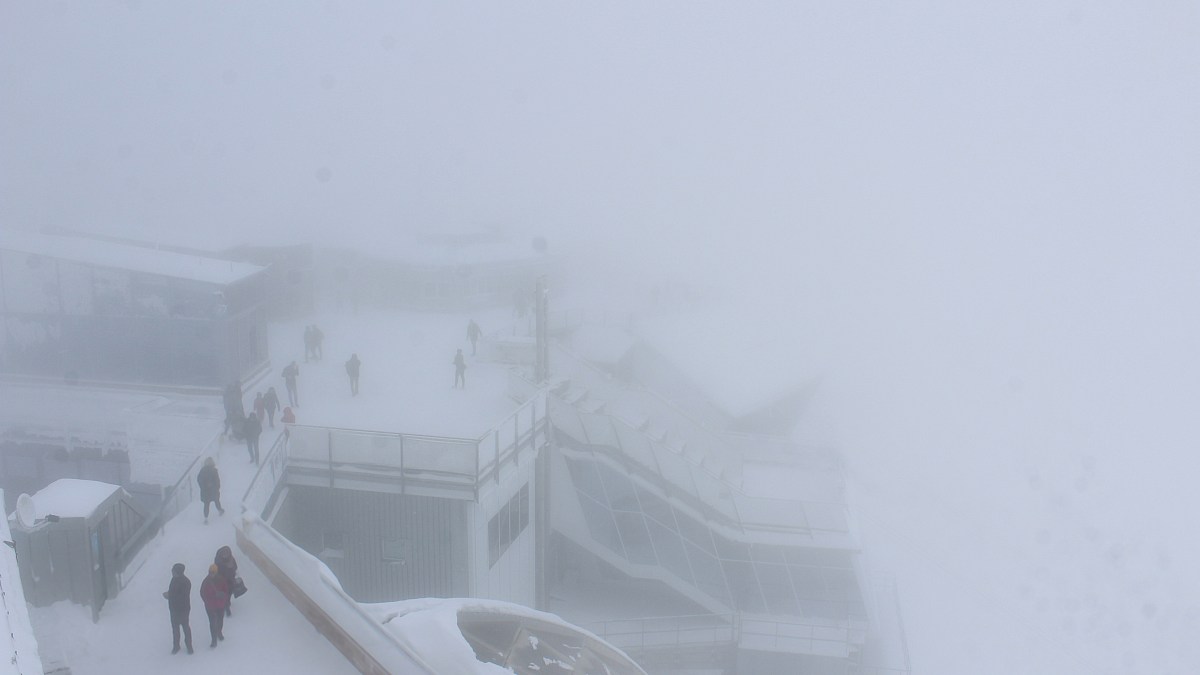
(216, 591)
(314, 341)
(250, 427)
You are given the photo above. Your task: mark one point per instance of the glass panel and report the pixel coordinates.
(599, 430)
(654, 507)
(632, 527)
(669, 547)
(431, 454)
(587, 479)
(514, 517)
(709, 576)
(731, 550)
(777, 588)
(621, 496)
(810, 589)
(743, 584)
(766, 553)
(505, 533)
(601, 524)
(695, 532)
(493, 540)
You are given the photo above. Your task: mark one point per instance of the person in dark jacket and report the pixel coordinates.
(179, 602)
(232, 399)
(352, 367)
(252, 429)
(473, 333)
(271, 403)
(260, 407)
(460, 370)
(210, 487)
(290, 373)
(318, 339)
(227, 567)
(214, 591)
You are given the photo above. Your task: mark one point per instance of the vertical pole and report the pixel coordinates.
(329, 446)
(403, 477)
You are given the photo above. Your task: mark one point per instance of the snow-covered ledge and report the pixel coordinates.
(312, 588)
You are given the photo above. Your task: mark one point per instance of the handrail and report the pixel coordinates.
(735, 492)
(276, 456)
(174, 500)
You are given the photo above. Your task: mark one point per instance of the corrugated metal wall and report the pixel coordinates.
(392, 546)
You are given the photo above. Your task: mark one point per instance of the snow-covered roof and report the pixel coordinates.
(455, 251)
(72, 497)
(18, 647)
(740, 361)
(127, 257)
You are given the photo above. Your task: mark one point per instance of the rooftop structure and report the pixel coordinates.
(80, 310)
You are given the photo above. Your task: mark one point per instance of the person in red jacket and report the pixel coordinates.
(214, 591)
(227, 566)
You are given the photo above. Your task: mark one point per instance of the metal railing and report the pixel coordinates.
(261, 490)
(459, 463)
(175, 499)
(714, 495)
(668, 632)
(642, 636)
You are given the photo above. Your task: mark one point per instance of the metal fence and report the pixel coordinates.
(461, 463)
(175, 499)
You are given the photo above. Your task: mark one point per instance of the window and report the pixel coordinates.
(508, 524)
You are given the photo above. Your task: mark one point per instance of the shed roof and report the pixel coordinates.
(127, 257)
(72, 497)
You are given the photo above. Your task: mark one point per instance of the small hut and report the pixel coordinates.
(68, 535)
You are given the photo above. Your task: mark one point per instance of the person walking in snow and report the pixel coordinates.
(227, 567)
(214, 591)
(352, 367)
(460, 370)
(232, 399)
(473, 333)
(260, 407)
(271, 404)
(252, 429)
(318, 343)
(290, 373)
(179, 603)
(309, 352)
(210, 487)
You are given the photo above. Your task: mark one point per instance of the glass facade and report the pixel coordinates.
(629, 519)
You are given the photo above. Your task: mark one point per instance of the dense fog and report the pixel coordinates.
(975, 223)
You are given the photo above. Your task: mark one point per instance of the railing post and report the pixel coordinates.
(404, 476)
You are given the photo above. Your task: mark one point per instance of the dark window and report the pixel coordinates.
(493, 540)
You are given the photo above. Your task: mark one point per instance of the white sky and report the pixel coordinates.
(989, 212)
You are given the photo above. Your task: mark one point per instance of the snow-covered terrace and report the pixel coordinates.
(406, 387)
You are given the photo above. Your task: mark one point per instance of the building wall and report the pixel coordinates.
(381, 546)
(68, 320)
(513, 575)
